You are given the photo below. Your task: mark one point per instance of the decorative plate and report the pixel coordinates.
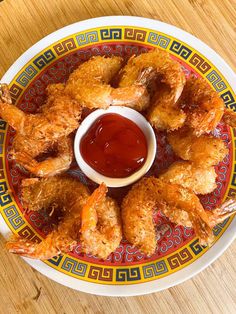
(127, 271)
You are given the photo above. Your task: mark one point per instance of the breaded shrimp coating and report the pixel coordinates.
(179, 204)
(101, 230)
(202, 105)
(89, 85)
(58, 193)
(203, 151)
(198, 179)
(167, 80)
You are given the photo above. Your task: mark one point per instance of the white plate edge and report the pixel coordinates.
(225, 240)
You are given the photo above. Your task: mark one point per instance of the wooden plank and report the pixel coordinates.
(24, 290)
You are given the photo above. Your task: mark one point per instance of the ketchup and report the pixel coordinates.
(114, 146)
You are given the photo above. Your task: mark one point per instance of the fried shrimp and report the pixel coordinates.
(137, 211)
(169, 79)
(203, 106)
(52, 165)
(101, 231)
(179, 204)
(198, 179)
(203, 151)
(162, 114)
(60, 193)
(62, 190)
(202, 224)
(229, 118)
(89, 84)
(37, 133)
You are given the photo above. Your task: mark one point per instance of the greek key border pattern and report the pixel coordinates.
(114, 34)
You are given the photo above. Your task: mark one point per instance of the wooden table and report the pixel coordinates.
(24, 290)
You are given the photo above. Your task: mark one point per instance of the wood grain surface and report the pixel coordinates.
(24, 290)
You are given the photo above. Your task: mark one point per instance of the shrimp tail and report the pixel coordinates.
(8, 112)
(51, 246)
(5, 93)
(135, 96)
(89, 216)
(227, 209)
(146, 75)
(21, 246)
(50, 166)
(229, 117)
(101, 231)
(203, 230)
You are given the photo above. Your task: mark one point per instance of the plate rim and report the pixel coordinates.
(229, 235)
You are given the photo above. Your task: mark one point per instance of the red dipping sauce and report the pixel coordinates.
(114, 146)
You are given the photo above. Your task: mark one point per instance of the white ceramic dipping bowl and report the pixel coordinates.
(140, 121)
